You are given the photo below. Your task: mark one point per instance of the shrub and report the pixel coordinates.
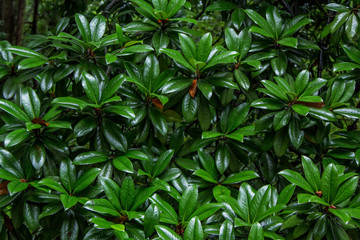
(151, 129)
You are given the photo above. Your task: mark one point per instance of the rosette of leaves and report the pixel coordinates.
(241, 43)
(19, 71)
(328, 204)
(185, 220)
(252, 213)
(33, 127)
(292, 101)
(212, 173)
(146, 99)
(122, 210)
(197, 63)
(346, 19)
(102, 108)
(89, 52)
(160, 26)
(278, 41)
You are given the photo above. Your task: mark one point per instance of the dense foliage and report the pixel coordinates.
(143, 125)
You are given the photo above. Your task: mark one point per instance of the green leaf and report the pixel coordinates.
(170, 214)
(112, 191)
(339, 20)
(91, 87)
(162, 162)
(110, 58)
(275, 90)
(16, 186)
(343, 215)
(204, 48)
(222, 158)
(68, 201)
(288, 42)
(348, 112)
(281, 142)
(31, 216)
(188, 203)
(67, 174)
(296, 135)
(320, 227)
(194, 230)
(205, 175)
(127, 193)
(294, 25)
(259, 203)
(346, 190)
(242, 79)
(114, 135)
(119, 34)
(123, 164)
(97, 28)
(311, 172)
(16, 137)
(222, 58)
(135, 27)
(268, 104)
(227, 231)
(160, 40)
(351, 27)
(69, 229)
(152, 218)
(158, 121)
(14, 110)
(166, 233)
(296, 179)
(300, 109)
(237, 116)
(86, 179)
(322, 114)
(176, 56)
(206, 210)
(259, 20)
(211, 134)
(70, 102)
(281, 119)
(123, 111)
(286, 194)
(102, 206)
(37, 155)
(83, 26)
(240, 177)
(174, 6)
(279, 63)
(345, 66)
(190, 107)
(188, 47)
(256, 232)
(90, 158)
(25, 52)
(31, 63)
(51, 183)
(304, 198)
(85, 126)
(329, 183)
(302, 81)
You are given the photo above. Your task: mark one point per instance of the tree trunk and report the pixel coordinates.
(20, 22)
(8, 19)
(35, 17)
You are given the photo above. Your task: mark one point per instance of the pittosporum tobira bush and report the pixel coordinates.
(143, 126)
